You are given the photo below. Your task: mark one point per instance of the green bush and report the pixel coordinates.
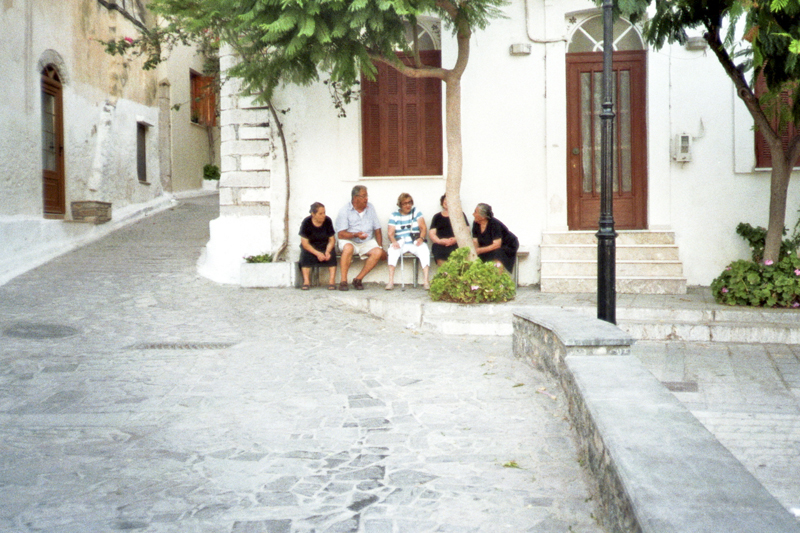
(759, 284)
(211, 172)
(262, 258)
(756, 237)
(462, 281)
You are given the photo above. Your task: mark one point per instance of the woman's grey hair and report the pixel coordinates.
(315, 207)
(485, 210)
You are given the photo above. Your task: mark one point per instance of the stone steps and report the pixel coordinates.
(647, 262)
(703, 324)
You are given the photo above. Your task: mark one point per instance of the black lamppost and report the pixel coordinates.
(606, 244)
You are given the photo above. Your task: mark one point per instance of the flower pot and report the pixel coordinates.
(260, 275)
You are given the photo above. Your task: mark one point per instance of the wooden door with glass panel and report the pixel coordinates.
(584, 105)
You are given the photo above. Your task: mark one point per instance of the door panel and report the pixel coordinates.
(53, 195)
(584, 101)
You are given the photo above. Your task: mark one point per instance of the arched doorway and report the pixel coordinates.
(584, 99)
(53, 192)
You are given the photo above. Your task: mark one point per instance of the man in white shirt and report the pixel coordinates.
(359, 232)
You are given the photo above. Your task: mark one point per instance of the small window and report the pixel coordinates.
(588, 37)
(763, 156)
(141, 151)
(204, 105)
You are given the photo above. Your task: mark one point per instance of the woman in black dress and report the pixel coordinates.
(441, 233)
(317, 242)
(493, 241)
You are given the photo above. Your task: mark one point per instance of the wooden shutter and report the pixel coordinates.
(402, 122)
(204, 105)
(763, 156)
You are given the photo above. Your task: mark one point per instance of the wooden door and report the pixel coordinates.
(52, 145)
(584, 100)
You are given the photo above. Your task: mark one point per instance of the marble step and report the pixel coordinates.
(624, 252)
(625, 285)
(623, 237)
(568, 268)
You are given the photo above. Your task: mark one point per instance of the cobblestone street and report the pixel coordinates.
(135, 395)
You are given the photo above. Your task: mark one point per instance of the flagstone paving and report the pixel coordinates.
(135, 395)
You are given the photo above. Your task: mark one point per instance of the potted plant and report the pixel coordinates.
(260, 271)
(211, 175)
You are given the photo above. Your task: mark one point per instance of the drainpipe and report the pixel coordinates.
(539, 32)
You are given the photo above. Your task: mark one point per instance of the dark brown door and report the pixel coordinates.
(52, 144)
(584, 100)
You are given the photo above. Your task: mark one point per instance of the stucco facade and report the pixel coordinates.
(109, 106)
(516, 149)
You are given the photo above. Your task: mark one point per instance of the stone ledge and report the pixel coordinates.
(545, 336)
(657, 468)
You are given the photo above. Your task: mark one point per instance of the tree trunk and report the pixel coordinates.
(455, 163)
(282, 248)
(782, 159)
(779, 185)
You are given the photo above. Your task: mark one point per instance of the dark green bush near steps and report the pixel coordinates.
(462, 281)
(760, 284)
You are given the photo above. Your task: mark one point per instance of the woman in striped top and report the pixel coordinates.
(407, 232)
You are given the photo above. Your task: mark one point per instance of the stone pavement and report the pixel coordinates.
(135, 395)
(746, 393)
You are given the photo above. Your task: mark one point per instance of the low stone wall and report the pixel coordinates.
(545, 336)
(656, 468)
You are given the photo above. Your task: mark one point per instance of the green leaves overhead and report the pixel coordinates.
(292, 41)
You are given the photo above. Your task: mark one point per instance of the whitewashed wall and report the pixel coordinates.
(103, 97)
(514, 127)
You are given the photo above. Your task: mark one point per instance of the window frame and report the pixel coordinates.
(203, 108)
(763, 157)
(391, 119)
(141, 151)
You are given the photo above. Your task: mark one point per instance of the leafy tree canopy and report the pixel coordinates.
(745, 35)
(291, 41)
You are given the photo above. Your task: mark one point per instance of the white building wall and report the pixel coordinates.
(104, 98)
(514, 130)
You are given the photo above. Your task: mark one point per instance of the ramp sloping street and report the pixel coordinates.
(135, 395)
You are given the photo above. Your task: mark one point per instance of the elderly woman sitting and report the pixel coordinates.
(493, 241)
(407, 231)
(316, 245)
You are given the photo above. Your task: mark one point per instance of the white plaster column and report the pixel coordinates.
(243, 226)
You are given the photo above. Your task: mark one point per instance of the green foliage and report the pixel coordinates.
(463, 281)
(211, 172)
(262, 258)
(760, 284)
(756, 237)
(293, 41)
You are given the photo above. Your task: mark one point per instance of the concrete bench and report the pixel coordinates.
(408, 255)
(657, 468)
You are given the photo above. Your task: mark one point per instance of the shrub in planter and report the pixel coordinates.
(211, 172)
(261, 258)
(462, 281)
(756, 237)
(760, 284)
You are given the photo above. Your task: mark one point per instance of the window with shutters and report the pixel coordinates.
(763, 157)
(401, 120)
(204, 104)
